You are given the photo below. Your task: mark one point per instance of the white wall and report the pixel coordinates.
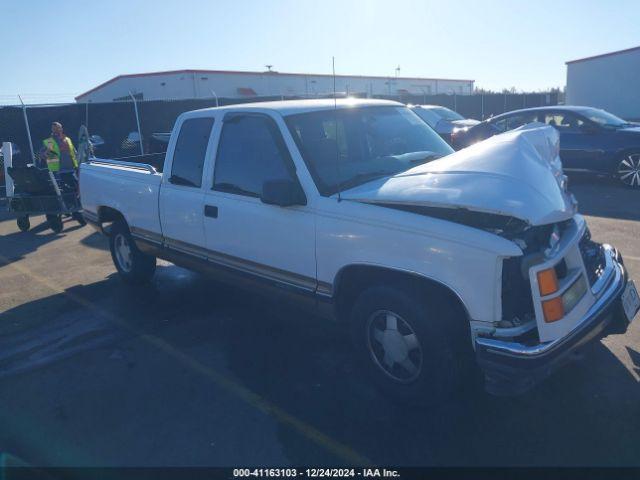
(225, 85)
(610, 82)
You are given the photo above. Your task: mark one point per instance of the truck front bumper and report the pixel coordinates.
(511, 367)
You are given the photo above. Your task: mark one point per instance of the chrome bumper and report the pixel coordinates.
(511, 367)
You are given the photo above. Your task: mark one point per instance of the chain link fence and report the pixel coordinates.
(114, 131)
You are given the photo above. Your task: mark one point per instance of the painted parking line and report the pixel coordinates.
(223, 381)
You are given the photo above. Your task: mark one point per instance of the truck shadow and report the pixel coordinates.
(604, 197)
(96, 240)
(583, 415)
(22, 243)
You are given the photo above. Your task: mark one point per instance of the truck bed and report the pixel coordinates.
(132, 188)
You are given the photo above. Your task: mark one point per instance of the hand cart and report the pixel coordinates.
(38, 191)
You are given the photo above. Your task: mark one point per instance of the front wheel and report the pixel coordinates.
(133, 266)
(628, 170)
(410, 344)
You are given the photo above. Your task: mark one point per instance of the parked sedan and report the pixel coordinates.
(591, 140)
(442, 120)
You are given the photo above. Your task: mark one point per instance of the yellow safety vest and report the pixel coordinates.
(53, 153)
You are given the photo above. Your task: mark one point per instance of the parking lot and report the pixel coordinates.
(189, 372)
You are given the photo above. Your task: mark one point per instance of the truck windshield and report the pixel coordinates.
(347, 147)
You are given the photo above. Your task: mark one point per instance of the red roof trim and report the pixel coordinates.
(235, 72)
(603, 55)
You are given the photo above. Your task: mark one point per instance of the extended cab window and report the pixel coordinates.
(251, 151)
(188, 157)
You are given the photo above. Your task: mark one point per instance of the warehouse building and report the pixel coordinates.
(186, 84)
(610, 81)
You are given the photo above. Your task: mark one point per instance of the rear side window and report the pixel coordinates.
(563, 121)
(514, 121)
(188, 157)
(251, 151)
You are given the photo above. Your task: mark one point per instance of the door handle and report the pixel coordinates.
(210, 211)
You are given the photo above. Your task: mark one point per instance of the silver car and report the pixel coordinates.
(442, 120)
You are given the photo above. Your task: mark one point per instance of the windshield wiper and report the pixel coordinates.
(362, 178)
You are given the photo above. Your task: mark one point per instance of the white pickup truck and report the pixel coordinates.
(438, 262)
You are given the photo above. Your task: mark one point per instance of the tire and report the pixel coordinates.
(133, 266)
(77, 216)
(410, 345)
(55, 223)
(628, 170)
(23, 223)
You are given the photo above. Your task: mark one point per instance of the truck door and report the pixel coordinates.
(265, 241)
(182, 191)
(579, 150)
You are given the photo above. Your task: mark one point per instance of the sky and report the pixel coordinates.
(51, 51)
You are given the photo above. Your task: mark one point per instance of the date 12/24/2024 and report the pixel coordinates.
(315, 473)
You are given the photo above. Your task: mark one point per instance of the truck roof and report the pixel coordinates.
(292, 107)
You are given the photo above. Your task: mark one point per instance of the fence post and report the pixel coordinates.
(135, 107)
(26, 122)
(7, 153)
(482, 106)
(214, 96)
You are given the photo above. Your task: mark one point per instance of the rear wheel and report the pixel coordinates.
(23, 223)
(132, 265)
(55, 223)
(628, 170)
(410, 343)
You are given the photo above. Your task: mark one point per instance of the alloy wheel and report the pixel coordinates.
(629, 170)
(394, 346)
(123, 252)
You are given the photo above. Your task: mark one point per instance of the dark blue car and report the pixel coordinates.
(591, 140)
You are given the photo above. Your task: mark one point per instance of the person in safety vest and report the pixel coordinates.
(59, 151)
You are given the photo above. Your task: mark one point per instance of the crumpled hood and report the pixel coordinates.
(516, 174)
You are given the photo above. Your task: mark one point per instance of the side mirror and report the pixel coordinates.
(283, 192)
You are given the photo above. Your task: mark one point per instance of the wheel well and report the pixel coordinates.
(109, 215)
(353, 280)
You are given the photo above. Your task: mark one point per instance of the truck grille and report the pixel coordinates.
(593, 258)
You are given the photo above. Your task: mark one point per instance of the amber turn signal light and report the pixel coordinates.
(547, 281)
(553, 309)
